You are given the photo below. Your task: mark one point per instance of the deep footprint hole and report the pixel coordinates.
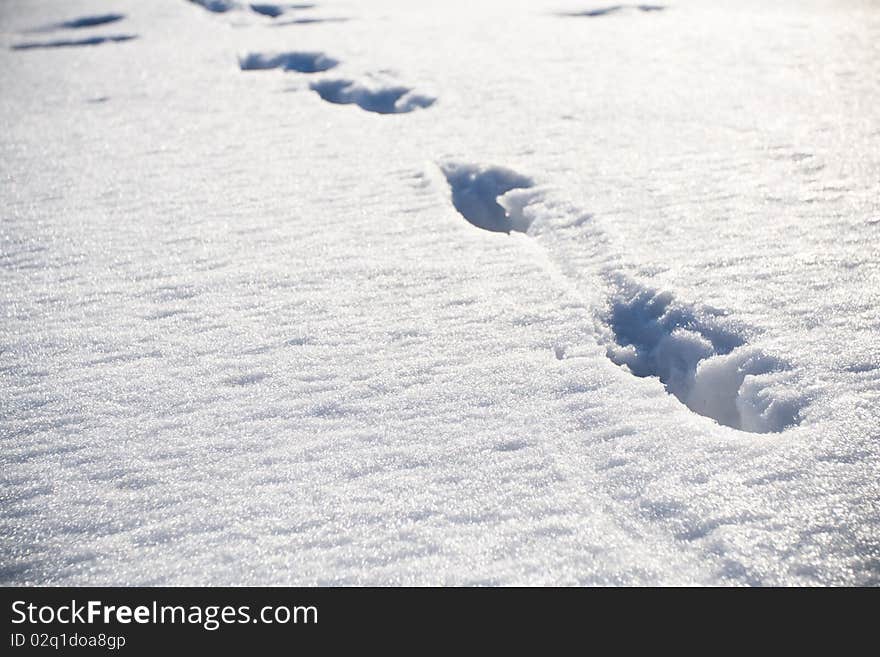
(709, 368)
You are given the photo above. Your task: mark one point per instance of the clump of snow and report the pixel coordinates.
(764, 406)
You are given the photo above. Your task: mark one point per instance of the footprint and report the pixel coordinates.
(309, 21)
(217, 6)
(476, 191)
(371, 96)
(301, 62)
(273, 10)
(605, 11)
(72, 43)
(708, 367)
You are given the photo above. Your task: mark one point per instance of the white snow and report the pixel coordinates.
(254, 331)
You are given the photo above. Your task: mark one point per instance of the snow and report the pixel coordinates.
(509, 295)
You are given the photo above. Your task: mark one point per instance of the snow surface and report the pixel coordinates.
(255, 334)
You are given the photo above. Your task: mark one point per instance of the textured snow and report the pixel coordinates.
(253, 337)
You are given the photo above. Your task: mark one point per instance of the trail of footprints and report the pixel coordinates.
(698, 355)
(268, 9)
(371, 92)
(694, 352)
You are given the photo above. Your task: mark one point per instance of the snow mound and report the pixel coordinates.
(301, 62)
(371, 96)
